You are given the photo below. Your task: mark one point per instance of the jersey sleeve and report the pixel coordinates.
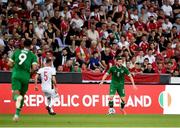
(53, 72)
(109, 71)
(126, 71)
(34, 59)
(39, 71)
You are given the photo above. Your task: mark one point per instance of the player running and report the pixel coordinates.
(118, 73)
(21, 61)
(48, 84)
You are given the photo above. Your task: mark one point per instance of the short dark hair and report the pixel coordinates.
(27, 43)
(48, 60)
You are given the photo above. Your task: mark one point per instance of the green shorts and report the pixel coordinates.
(119, 88)
(20, 84)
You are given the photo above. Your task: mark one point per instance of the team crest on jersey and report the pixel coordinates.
(122, 71)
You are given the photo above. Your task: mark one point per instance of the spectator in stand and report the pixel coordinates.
(145, 63)
(140, 57)
(150, 56)
(39, 31)
(133, 46)
(60, 68)
(167, 26)
(169, 68)
(95, 62)
(62, 57)
(67, 67)
(176, 8)
(29, 33)
(82, 53)
(167, 8)
(151, 24)
(136, 68)
(143, 15)
(30, 4)
(100, 27)
(149, 69)
(92, 33)
(144, 45)
(174, 34)
(36, 12)
(106, 58)
(55, 20)
(160, 69)
(49, 34)
(151, 13)
(123, 43)
(76, 68)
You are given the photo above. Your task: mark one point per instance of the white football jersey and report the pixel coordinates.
(46, 74)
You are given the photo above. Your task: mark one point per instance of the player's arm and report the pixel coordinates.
(132, 81)
(54, 81)
(131, 78)
(36, 81)
(11, 60)
(34, 64)
(10, 63)
(105, 76)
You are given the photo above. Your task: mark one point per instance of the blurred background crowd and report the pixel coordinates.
(86, 35)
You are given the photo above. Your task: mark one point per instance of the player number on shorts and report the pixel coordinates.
(45, 75)
(22, 58)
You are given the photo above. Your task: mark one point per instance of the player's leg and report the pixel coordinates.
(112, 92)
(48, 102)
(17, 97)
(55, 98)
(121, 93)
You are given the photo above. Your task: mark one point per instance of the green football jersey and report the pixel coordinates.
(118, 74)
(23, 59)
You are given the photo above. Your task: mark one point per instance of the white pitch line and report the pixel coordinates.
(7, 101)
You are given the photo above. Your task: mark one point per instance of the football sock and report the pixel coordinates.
(15, 96)
(111, 103)
(18, 111)
(48, 101)
(122, 104)
(22, 102)
(51, 103)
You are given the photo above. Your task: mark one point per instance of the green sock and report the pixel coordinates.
(15, 96)
(111, 104)
(18, 111)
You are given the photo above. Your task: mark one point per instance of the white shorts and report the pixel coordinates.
(51, 93)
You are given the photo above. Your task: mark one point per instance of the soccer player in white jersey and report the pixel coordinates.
(48, 85)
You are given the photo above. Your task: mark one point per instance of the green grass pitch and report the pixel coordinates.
(92, 121)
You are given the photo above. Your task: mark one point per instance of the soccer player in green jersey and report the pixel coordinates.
(22, 60)
(118, 73)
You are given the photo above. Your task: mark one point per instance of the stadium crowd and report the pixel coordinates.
(86, 35)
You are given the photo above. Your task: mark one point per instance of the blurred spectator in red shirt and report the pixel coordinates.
(136, 68)
(144, 45)
(82, 54)
(133, 46)
(160, 69)
(151, 25)
(14, 22)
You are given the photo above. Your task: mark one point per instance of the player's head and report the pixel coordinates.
(119, 61)
(27, 43)
(49, 61)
